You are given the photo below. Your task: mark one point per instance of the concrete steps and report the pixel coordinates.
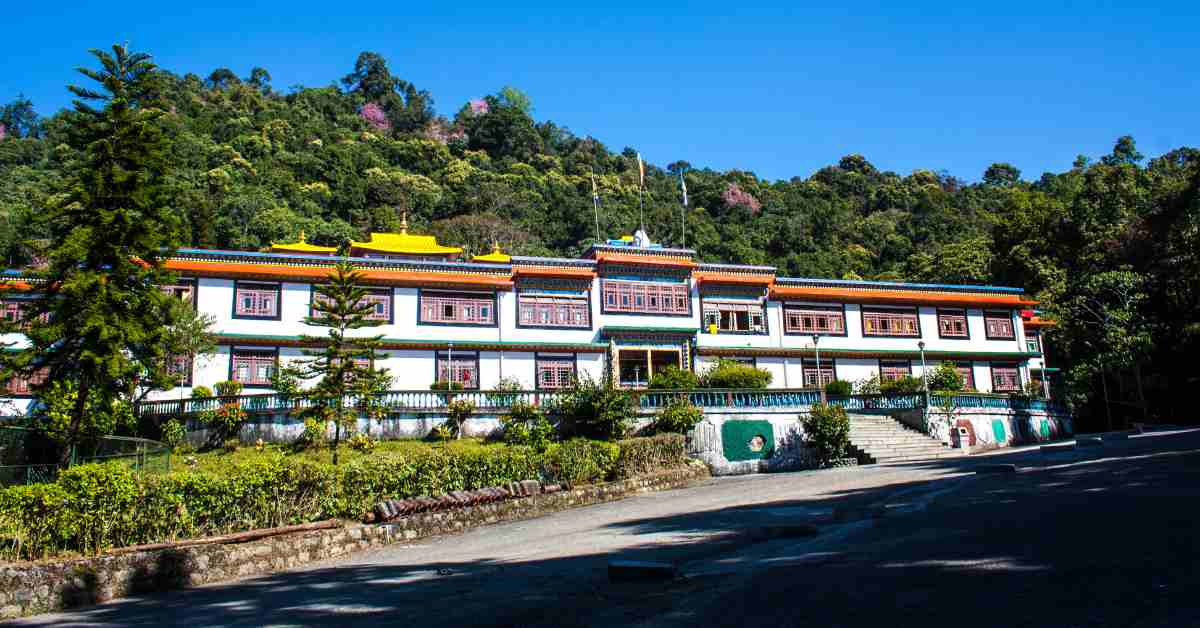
(882, 439)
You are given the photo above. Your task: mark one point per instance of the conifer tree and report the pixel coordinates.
(344, 364)
(100, 320)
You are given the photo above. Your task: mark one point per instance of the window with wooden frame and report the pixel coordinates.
(643, 297)
(256, 300)
(892, 370)
(817, 378)
(999, 326)
(253, 367)
(1006, 377)
(880, 322)
(461, 368)
(454, 308)
(22, 386)
(13, 311)
(814, 319)
(380, 300)
(555, 372)
(735, 318)
(541, 310)
(953, 324)
(184, 290)
(1033, 343)
(967, 372)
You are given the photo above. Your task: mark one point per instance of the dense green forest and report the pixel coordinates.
(1111, 246)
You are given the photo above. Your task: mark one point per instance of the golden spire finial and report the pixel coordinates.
(495, 245)
(404, 222)
(302, 240)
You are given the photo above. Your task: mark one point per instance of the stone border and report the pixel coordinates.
(33, 588)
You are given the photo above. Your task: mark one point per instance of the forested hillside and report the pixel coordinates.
(1111, 246)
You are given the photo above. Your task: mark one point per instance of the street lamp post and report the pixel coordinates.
(924, 372)
(817, 350)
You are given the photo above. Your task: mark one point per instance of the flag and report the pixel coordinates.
(641, 172)
(683, 186)
(595, 192)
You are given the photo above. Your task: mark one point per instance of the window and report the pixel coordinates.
(645, 297)
(555, 372)
(952, 324)
(967, 373)
(1032, 342)
(379, 299)
(892, 371)
(891, 323)
(814, 319)
(184, 291)
(22, 386)
(450, 308)
(253, 367)
(814, 378)
(553, 311)
(998, 326)
(735, 318)
(180, 365)
(1005, 378)
(462, 368)
(256, 300)
(12, 311)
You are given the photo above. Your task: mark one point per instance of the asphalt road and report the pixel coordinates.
(1105, 536)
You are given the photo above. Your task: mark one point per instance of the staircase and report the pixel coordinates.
(883, 439)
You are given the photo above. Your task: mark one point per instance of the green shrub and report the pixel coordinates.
(581, 461)
(679, 417)
(441, 433)
(313, 434)
(867, 386)
(202, 392)
(451, 386)
(945, 378)
(362, 442)
(228, 389)
(34, 521)
(730, 374)
(827, 431)
(505, 391)
(527, 425)
(839, 388)
(101, 498)
(591, 409)
(650, 454)
(906, 385)
(674, 378)
(457, 413)
(173, 433)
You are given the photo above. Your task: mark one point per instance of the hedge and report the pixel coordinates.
(99, 506)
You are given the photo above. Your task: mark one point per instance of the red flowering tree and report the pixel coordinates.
(734, 196)
(479, 106)
(374, 116)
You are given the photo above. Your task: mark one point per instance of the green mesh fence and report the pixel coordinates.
(25, 451)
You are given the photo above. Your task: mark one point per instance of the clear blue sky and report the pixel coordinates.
(781, 90)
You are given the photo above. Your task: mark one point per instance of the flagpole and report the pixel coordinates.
(595, 204)
(683, 216)
(641, 189)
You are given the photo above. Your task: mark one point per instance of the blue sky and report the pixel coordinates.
(779, 90)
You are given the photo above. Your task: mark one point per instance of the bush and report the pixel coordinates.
(173, 433)
(867, 386)
(581, 461)
(451, 386)
(730, 374)
(228, 389)
(362, 442)
(649, 454)
(906, 385)
(505, 391)
(527, 425)
(202, 392)
(590, 409)
(839, 388)
(674, 378)
(441, 433)
(679, 417)
(945, 378)
(457, 413)
(226, 421)
(827, 431)
(313, 434)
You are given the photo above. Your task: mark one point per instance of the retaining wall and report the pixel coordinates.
(32, 588)
(990, 428)
(725, 440)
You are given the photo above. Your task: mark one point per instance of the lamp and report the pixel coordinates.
(924, 371)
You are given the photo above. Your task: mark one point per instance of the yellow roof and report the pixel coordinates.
(405, 244)
(495, 256)
(302, 247)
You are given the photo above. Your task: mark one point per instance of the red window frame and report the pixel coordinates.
(999, 326)
(967, 372)
(1006, 378)
(448, 308)
(376, 296)
(460, 368)
(253, 362)
(895, 323)
(953, 324)
(256, 300)
(20, 386)
(810, 320)
(553, 311)
(555, 373)
(724, 316)
(815, 379)
(892, 370)
(623, 296)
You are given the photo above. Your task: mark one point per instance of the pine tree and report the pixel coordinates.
(345, 362)
(100, 321)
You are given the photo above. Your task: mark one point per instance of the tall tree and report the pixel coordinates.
(344, 365)
(100, 322)
(18, 119)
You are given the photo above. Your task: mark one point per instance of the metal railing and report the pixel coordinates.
(141, 455)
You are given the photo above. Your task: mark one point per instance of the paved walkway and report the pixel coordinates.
(1092, 538)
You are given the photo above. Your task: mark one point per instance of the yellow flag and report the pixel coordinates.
(641, 172)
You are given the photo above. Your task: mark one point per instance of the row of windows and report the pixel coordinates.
(903, 323)
(1005, 376)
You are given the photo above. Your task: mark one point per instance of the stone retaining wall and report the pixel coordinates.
(32, 588)
(990, 428)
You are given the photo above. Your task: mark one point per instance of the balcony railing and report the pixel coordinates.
(646, 400)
